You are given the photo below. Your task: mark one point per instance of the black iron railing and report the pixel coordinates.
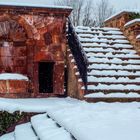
(78, 52)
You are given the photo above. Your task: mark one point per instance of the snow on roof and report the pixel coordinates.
(132, 22)
(121, 12)
(12, 76)
(33, 5)
(138, 37)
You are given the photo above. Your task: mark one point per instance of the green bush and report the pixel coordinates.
(7, 120)
(134, 16)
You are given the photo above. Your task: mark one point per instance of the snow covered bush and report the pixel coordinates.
(7, 120)
(134, 16)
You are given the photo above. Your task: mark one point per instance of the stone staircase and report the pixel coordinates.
(41, 127)
(114, 65)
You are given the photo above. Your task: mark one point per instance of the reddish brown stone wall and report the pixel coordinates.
(118, 21)
(30, 36)
(74, 85)
(130, 31)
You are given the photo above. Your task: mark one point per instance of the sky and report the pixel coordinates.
(118, 4)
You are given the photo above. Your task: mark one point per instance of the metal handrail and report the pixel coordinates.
(78, 52)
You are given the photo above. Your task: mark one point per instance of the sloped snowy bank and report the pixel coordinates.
(85, 121)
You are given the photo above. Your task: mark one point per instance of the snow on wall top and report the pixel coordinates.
(33, 5)
(132, 22)
(138, 37)
(12, 76)
(121, 12)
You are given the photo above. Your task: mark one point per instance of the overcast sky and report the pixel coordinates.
(118, 4)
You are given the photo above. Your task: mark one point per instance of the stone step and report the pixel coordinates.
(109, 100)
(116, 76)
(9, 136)
(108, 91)
(120, 55)
(25, 132)
(109, 50)
(98, 33)
(116, 67)
(48, 129)
(104, 46)
(110, 83)
(109, 63)
(113, 61)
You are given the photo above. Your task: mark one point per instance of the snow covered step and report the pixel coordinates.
(102, 40)
(121, 41)
(108, 50)
(94, 40)
(113, 95)
(9, 136)
(113, 37)
(120, 54)
(105, 49)
(123, 80)
(113, 60)
(114, 87)
(114, 91)
(114, 32)
(114, 73)
(114, 66)
(101, 36)
(105, 28)
(47, 129)
(86, 35)
(110, 55)
(25, 132)
(105, 45)
(98, 32)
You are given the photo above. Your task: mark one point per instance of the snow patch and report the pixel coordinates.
(13, 76)
(132, 22)
(138, 37)
(123, 11)
(113, 95)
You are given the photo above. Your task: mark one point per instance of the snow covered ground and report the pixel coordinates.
(85, 121)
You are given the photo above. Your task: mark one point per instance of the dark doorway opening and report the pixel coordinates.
(46, 77)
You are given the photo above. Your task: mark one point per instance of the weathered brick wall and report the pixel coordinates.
(118, 21)
(30, 36)
(130, 31)
(74, 84)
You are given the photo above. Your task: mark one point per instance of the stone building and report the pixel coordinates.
(32, 44)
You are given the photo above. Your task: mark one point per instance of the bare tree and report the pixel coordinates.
(88, 19)
(86, 13)
(77, 6)
(104, 10)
